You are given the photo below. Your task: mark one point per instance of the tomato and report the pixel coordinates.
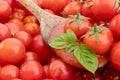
(55, 5)
(30, 19)
(4, 32)
(12, 47)
(13, 27)
(32, 28)
(104, 10)
(25, 37)
(114, 25)
(5, 10)
(115, 55)
(57, 69)
(105, 40)
(17, 21)
(31, 70)
(79, 31)
(49, 79)
(18, 13)
(41, 48)
(8, 72)
(72, 8)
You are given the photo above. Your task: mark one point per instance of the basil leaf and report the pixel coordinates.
(64, 41)
(86, 57)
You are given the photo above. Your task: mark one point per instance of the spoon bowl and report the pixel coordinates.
(47, 21)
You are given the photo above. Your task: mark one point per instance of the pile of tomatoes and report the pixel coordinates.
(25, 56)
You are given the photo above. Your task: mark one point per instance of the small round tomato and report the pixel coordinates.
(17, 21)
(31, 70)
(115, 55)
(12, 51)
(32, 28)
(30, 19)
(41, 48)
(103, 43)
(25, 37)
(57, 69)
(72, 8)
(4, 32)
(55, 5)
(8, 72)
(5, 10)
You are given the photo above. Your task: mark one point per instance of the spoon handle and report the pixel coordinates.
(47, 21)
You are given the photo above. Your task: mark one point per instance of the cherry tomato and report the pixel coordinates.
(57, 69)
(8, 72)
(55, 5)
(41, 48)
(17, 21)
(5, 10)
(4, 32)
(32, 28)
(31, 70)
(105, 40)
(12, 51)
(72, 8)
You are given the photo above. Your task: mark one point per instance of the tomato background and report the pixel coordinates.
(25, 56)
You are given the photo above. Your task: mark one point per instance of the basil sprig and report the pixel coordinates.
(84, 54)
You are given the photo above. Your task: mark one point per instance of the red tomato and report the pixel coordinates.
(72, 8)
(30, 19)
(115, 55)
(25, 37)
(41, 48)
(32, 28)
(18, 13)
(104, 10)
(55, 5)
(11, 51)
(13, 27)
(57, 69)
(78, 31)
(114, 25)
(17, 21)
(5, 10)
(105, 40)
(4, 32)
(8, 72)
(31, 70)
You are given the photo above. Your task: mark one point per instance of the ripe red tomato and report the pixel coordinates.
(32, 28)
(78, 31)
(4, 32)
(115, 55)
(12, 51)
(8, 72)
(55, 5)
(25, 37)
(41, 48)
(104, 10)
(57, 69)
(5, 10)
(105, 40)
(17, 21)
(31, 70)
(72, 8)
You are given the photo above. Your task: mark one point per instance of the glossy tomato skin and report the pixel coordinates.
(114, 27)
(105, 40)
(41, 48)
(59, 70)
(55, 5)
(72, 8)
(79, 31)
(12, 51)
(115, 55)
(104, 10)
(31, 70)
(8, 72)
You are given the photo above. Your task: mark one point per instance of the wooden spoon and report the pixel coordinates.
(47, 21)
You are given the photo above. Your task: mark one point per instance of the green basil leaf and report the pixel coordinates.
(86, 57)
(64, 40)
